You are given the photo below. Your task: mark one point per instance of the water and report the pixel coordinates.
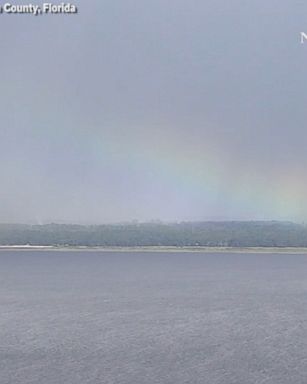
(139, 318)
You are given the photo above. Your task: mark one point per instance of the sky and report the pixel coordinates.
(154, 110)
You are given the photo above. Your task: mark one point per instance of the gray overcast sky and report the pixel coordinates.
(141, 109)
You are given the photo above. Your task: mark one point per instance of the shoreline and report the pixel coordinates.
(156, 249)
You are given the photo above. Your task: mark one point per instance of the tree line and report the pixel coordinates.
(210, 234)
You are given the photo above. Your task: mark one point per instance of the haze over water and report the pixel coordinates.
(151, 318)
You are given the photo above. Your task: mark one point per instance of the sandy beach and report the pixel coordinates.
(287, 250)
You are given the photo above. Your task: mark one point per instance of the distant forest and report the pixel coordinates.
(223, 234)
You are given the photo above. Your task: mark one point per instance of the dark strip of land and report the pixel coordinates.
(192, 236)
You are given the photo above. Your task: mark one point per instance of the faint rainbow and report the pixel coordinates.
(205, 168)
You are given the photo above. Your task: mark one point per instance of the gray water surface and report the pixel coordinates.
(138, 318)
